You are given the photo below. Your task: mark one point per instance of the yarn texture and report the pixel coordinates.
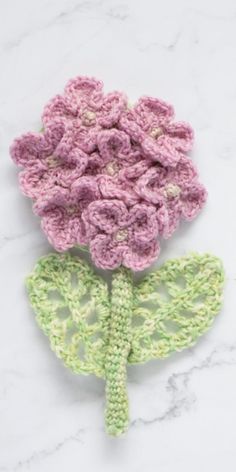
(114, 179)
(97, 332)
(110, 176)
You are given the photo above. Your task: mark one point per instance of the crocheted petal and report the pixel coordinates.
(34, 183)
(54, 132)
(139, 257)
(72, 158)
(112, 144)
(181, 136)
(144, 223)
(150, 185)
(135, 171)
(89, 229)
(181, 299)
(105, 253)
(154, 108)
(72, 308)
(61, 231)
(171, 220)
(53, 198)
(160, 150)
(84, 90)
(77, 138)
(107, 215)
(111, 189)
(95, 164)
(81, 137)
(112, 106)
(29, 148)
(85, 189)
(163, 220)
(184, 172)
(193, 199)
(127, 123)
(61, 109)
(86, 139)
(67, 177)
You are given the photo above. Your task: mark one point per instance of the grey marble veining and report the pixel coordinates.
(182, 409)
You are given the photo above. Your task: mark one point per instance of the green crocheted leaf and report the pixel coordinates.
(175, 305)
(72, 308)
(94, 333)
(172, 307)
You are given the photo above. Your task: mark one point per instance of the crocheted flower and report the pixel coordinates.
(149, 124)
(116, 154)
(177, 189)
(44, 167)
(84, 100)
(121, 162)
(113, 152)
(108, 176)
(111, 143)
(121, 236)
(61, 213)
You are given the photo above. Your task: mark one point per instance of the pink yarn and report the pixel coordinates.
(108, 176)
(61, 212)
(149, 124)
(175, 188)
(119, 235)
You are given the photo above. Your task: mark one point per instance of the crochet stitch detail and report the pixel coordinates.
(93, 332)
(96, 152)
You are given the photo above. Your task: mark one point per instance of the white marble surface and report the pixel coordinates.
(182, 410)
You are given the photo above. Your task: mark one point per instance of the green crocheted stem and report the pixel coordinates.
(117, 415)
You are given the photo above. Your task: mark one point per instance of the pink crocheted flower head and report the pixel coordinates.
(108, 176)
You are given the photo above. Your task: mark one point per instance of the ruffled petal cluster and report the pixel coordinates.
(109, 176)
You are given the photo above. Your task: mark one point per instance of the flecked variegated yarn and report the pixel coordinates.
(94, 332)
(115, 179)
(109, 176)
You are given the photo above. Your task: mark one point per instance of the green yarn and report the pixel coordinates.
(120, 338)
(73, 309)
(176, 304)
(97, 333)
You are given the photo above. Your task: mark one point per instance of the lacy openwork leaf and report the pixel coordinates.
(72, 309)
(175, 305)
(94, 331)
